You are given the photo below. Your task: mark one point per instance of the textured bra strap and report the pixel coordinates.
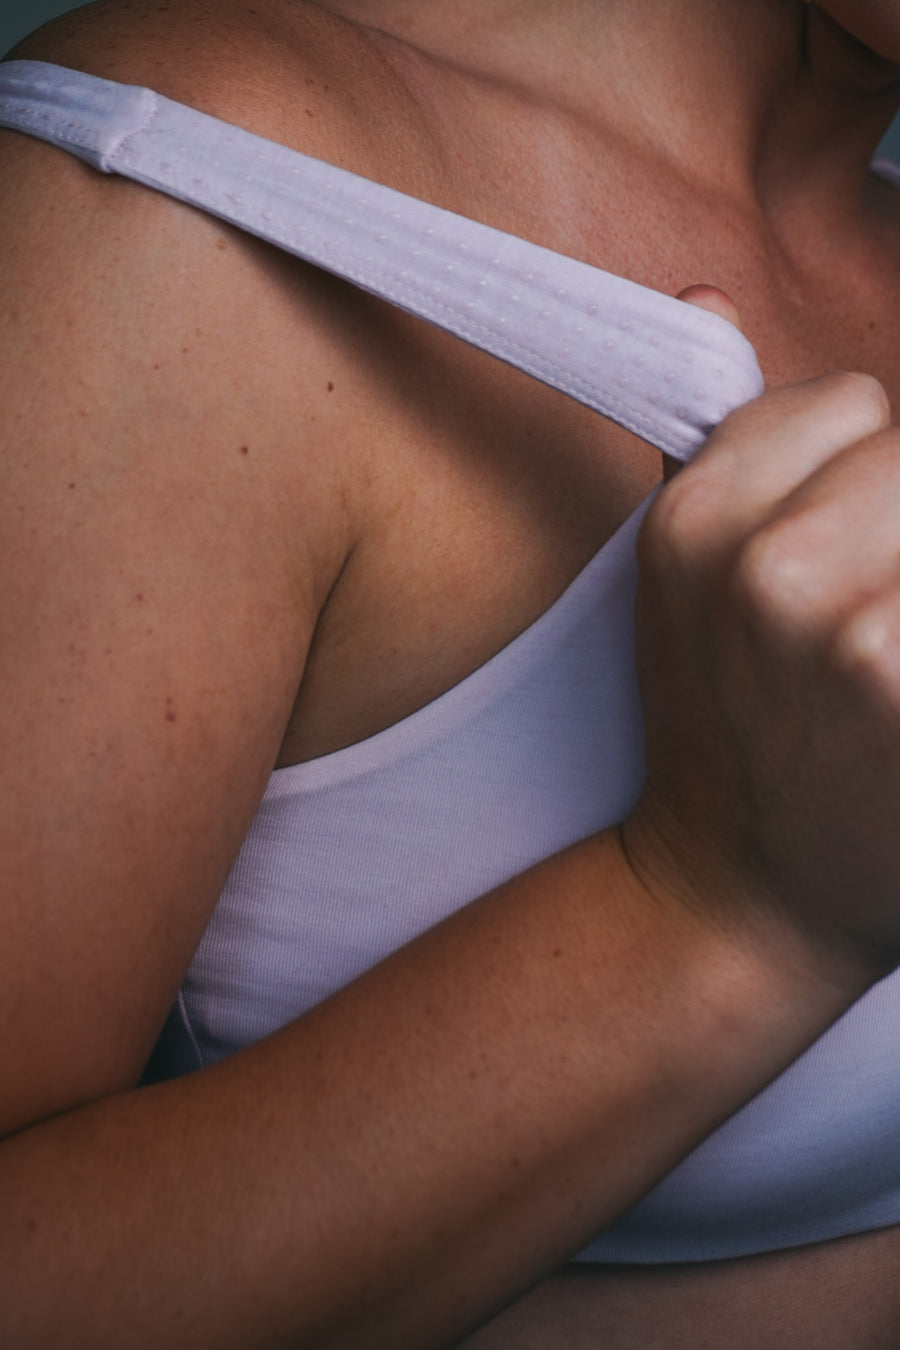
(667, 371)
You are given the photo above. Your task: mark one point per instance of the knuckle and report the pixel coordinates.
(773, 579)
(863, 647)
(863, 399)
(675, 525)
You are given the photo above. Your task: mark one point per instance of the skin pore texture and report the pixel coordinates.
(672, 141)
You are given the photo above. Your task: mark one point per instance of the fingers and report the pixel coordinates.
(833, 544)
(867, 649)
(714, 300)
(757, 458)
(793, 504)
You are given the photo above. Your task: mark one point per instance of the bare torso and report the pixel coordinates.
(474, 495)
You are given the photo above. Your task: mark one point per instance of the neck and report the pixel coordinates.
(762, 99)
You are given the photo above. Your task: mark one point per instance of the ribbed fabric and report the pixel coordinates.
(353, 854)
(667, 371)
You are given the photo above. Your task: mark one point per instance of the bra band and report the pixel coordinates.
(667, 371)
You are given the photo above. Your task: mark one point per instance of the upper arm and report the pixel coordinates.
(166, 540)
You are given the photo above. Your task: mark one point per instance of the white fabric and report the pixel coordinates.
(667, 371)
(351, 855)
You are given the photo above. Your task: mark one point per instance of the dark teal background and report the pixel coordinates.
(18, 17)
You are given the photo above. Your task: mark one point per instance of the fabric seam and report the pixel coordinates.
(186, 1018)
(128, 136)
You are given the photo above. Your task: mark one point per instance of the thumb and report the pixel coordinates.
(714, 300)
(717, 302)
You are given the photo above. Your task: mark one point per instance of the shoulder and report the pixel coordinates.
(103, 255)
(283, 69)
(198, 308)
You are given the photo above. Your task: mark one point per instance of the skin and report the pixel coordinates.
(481, 499)
(875, 25)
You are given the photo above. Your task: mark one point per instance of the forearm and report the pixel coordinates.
(397, 1164)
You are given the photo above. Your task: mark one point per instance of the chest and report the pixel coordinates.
(489, 492)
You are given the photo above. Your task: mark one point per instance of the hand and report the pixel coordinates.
(769, 657)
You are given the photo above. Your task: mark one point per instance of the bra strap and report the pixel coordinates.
(665, 370)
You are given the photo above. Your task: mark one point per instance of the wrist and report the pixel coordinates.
(750, 941)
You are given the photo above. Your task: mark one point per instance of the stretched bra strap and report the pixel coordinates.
(667, 371)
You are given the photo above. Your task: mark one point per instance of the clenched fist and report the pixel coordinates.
(769, 655)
